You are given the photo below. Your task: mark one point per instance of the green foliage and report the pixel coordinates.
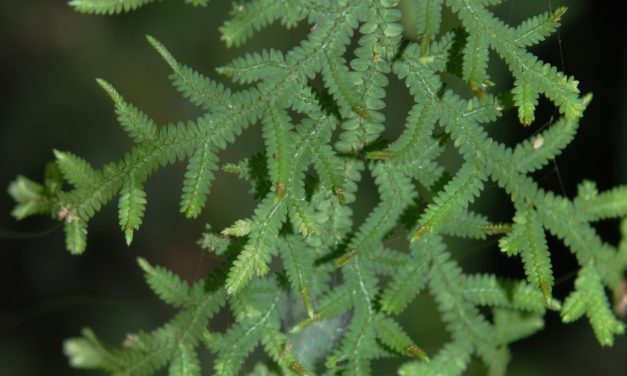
(340, 285)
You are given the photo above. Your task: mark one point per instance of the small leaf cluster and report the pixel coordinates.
(299, 269)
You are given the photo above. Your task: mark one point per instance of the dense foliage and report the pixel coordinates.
(299, 269)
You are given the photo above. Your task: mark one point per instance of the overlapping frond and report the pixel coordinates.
(321, 108)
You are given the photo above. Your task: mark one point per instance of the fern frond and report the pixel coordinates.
(589, 297)
(198, 178)
(255, 257)
(197, 88)
(536, 29)
(250, 17)
(107, 6)
(428, 22)
(391, 334)
(168, 286)
(131, 208)
(533, 76)
(185, 363)
(487, 290)
(139, 126)
(76, 170)
(454, 198)
(407, 282)
(298, 263)
(255, 67)
(451, 360)
(240, 340)
(604, 205)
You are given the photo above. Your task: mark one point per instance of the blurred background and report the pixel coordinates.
(49, 57)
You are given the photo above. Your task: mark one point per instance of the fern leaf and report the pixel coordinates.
(197, 88)
(255, 67)
(75, 236)
(539, 150)
(185, 363)
(589, 297)
(406, 283)
(534, 30)
(511, 326)
(533, 75)
(604, 205)
(131, 209)
(242, 338)
(298, 263)
(255, 257)
(535, 254)
(107, 6)
(198, 178)
(168, 286)
(476, 61)
(452, 360)
(391, 333)
(428, 22)
(487, 290)
(253, 16)
(75, 169)
(455, 196)
(29, 197)
(139, 126)
(279, 143)
(526, 99)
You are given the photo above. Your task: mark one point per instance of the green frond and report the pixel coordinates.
(131, 209)
(391, 334)
(532, 75)
(277, 132)
(255, 257)
(321, 104)
(303, 217)
(75, 235)
(526, 99)
(330, 170)
(29, 197)
(247, 18)
(428, 22)
(298, 264)
(255, 67)
(396, 192)
(377, 46)
(407, 282)
(185, 363)
(589, 298)
(512, 326)
(468, 225)
(452, 360)
(239, 341)
(454, 198)
(107, 6)
(604, 205)
(197, 88)
(169, 287)
(76, 170)
(475, 65)
(137, 124)
(537, 151)
(487, 290)
(536, 29)
(198, 178)
(535, 253)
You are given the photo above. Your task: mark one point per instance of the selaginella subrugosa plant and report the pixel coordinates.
(320, 139)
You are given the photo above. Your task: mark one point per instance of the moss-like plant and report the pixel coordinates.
(320, 107)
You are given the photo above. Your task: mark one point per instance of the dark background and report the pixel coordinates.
(49, 57)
